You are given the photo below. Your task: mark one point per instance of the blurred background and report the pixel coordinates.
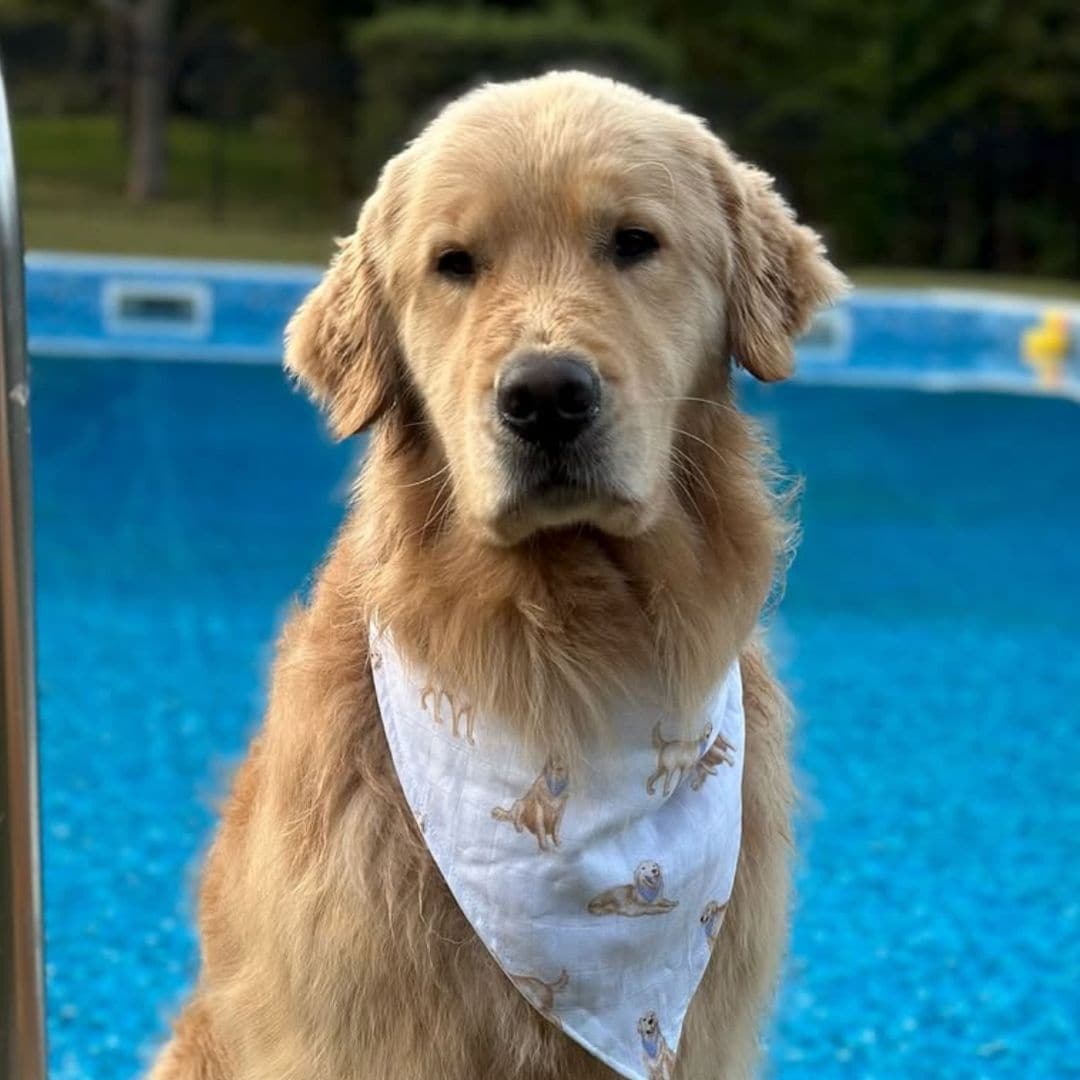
(919, 135)
(929, 632)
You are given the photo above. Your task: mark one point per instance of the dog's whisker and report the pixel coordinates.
(699, 476)
(683, 485)
(695, 400)
(655, 164)
(679, 481)
(444, 507)
(698, 439)
(440, 506)
(426, 479)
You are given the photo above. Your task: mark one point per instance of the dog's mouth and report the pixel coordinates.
(573, 486)
(539, 469)
(559, 501)
(560, 489)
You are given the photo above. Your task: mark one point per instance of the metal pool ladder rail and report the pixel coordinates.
(22, 1022)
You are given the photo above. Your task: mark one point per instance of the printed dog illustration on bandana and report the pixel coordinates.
(657, 1055)
(675, 758)
(458, 713)
(541, 808)
(720, 753)
(542, 994)
(712, 920)
(643, 897)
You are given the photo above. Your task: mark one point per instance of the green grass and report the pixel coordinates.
(60, 218)
(71, 171)
(71, 180)
(923, 278)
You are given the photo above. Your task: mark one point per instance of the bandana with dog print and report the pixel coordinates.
(599, 886)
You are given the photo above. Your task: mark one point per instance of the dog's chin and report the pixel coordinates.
(553, 507)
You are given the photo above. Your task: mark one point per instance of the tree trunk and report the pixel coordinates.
(152, 26)
(118, 42)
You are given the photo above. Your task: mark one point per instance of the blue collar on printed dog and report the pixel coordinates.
(599, 888)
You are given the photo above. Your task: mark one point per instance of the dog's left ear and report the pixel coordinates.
(778, 275)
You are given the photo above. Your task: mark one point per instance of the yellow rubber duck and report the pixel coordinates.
(1046, 348)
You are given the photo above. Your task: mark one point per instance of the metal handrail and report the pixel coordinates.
(22, 1019)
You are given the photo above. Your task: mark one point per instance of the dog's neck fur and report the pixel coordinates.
(550, 632)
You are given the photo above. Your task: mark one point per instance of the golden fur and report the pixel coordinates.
(331, 947)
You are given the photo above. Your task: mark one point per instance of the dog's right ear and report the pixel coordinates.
(341, 345)
(779, 275)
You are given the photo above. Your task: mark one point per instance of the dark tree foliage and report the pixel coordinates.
(412, 61)
(924, 132)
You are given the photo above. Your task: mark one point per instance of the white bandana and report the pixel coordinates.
(599, 889)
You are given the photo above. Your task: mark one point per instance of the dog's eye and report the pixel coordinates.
(633, 245)
(456, 264)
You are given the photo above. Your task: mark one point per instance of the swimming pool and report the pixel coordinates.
(930, 636)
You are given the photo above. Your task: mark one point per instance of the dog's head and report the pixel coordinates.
(649, 880)
(540, 283)
(556, 775)
(649, 1027)
(712, 909)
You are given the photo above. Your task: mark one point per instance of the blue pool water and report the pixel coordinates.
(930, 636)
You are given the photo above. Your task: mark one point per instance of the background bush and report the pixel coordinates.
(413, 60)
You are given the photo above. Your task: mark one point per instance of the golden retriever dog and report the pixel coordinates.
(536, 319)
(542, 994)
(541, 808)
(658, 1058)
(643, 896)
(675, 757)
(712, 921)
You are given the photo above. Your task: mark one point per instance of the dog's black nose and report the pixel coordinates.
(548, 398)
